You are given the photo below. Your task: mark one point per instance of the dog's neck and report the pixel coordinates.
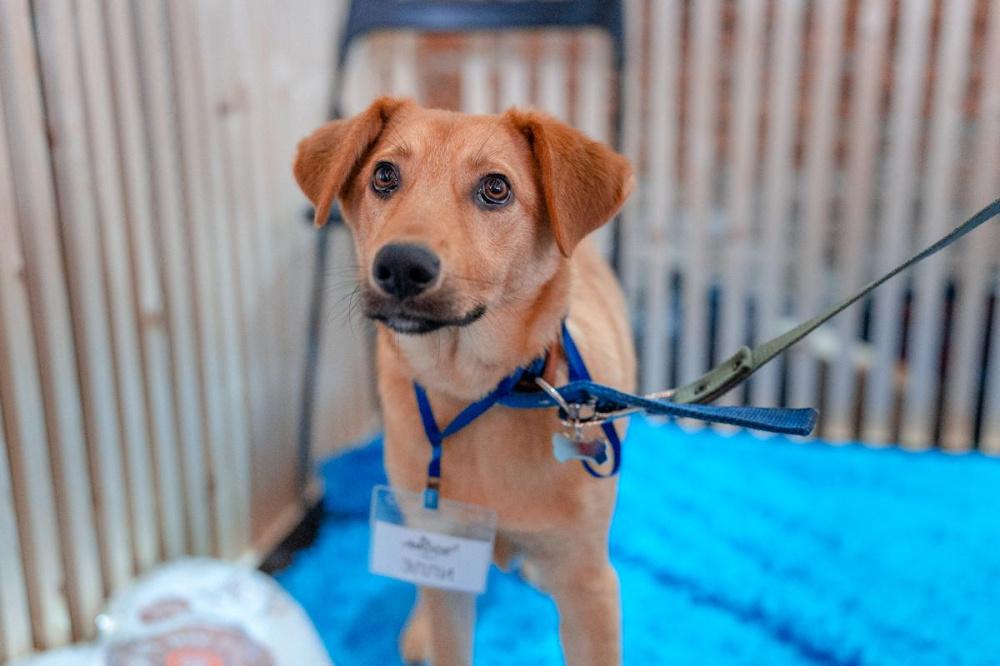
(467, 363)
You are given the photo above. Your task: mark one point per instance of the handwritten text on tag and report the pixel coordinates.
(427, 558)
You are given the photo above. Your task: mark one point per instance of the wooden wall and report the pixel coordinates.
(154, 272)
(790, 151)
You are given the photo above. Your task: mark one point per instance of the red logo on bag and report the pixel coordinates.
(194, 657)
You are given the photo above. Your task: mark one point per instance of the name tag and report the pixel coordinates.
(450, 547)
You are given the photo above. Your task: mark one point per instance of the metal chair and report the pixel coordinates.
(367, 16)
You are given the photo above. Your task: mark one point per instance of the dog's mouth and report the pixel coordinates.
(403, 320)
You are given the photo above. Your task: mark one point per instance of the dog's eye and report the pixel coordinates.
(494, 191)
(385, 179)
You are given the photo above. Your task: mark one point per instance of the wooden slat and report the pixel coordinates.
(15, 617)
(358, 76)
(778, 178)
(183, 482)
(477, 71)
(990, 440)
(977, 255)
(109, 467)
(227, 78)
(515, 88)
(664, 56)
(219, 359)
(985, 189)
(405, 78)
(298, 102)
(743, 125)
(228, 482)
(246, 73)
(633, 216)
(592, 112)
(30, 461)
(594, 75)
(903, 135)
(76, 183)
(149, 306)
(266, 30)
(71, 167)
(937, 213)
(258, 47)
(553, 86)
(852, 242)
(215, 275)
(820, 168)
(700, 142)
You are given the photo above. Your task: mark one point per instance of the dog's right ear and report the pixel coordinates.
(584, 182)
(328, 157)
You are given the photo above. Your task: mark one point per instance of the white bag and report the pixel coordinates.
(199, 611)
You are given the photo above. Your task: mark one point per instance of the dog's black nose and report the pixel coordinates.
(404, 270)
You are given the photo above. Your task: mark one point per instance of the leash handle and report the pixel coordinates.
(734, 371)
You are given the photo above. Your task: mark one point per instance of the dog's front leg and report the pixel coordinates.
(445, 621)
(589, 612)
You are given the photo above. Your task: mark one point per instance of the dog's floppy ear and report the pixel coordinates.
(584, 182)
(328, 157)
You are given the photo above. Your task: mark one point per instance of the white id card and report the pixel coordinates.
(450, 547)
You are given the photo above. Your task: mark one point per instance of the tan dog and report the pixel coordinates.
(468, 233)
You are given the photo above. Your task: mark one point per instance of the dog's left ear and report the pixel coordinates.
(583, 182)
(329, 156)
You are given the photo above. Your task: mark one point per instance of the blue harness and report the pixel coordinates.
(612, 404)
(581, 389)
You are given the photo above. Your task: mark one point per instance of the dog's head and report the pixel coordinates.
(454, 215)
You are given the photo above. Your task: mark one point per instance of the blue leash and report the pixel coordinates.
(610, 404)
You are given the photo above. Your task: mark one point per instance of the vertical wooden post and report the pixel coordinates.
(700, 139)
(978, 257)
(773, 250)
(820, 171)
(852, 243)
(929, 277)
(743, 132)
(662, 180)
(900, 190)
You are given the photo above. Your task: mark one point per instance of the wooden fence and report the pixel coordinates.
(154, 270)
(154, 277)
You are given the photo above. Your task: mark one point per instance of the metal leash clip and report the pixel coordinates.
(574, 443)
(581, 414)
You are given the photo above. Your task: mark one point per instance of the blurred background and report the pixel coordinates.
(156, 261)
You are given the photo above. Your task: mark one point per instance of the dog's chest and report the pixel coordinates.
(502, 460)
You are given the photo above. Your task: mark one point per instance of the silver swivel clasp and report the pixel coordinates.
(573, 443)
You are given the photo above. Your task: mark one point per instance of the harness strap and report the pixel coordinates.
(436, 436)
(746, 361)
(578, 373)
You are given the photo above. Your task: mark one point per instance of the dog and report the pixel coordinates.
(470, 234)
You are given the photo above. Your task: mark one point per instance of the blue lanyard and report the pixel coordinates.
(436, 436)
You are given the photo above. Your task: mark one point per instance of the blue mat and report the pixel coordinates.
(731, 550)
